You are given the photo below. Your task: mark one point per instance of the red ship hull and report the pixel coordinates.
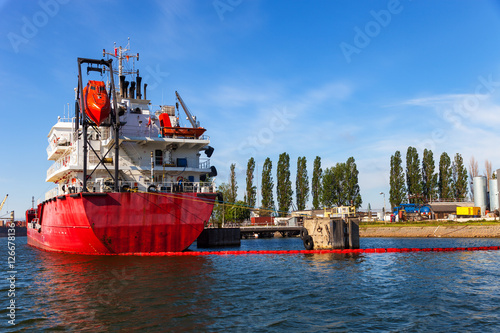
(121, 223)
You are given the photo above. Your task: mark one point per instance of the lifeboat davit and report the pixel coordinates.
(168, 130)
(96, 101)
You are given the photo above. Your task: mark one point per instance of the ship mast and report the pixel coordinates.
(120, 53)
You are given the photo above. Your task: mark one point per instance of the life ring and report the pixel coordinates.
(308, 243)
(152, 188)
(303, 233)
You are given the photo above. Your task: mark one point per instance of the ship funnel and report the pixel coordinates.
(145, 85)
(125, 87)
(138, 85)
(131, 93)
(122, 85)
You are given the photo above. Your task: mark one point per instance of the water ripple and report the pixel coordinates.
(388, 292)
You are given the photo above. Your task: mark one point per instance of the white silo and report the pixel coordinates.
(480, 193)
(494, 204)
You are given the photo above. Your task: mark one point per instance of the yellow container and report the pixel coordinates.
(468, 211)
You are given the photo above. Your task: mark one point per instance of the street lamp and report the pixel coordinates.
(382, 193)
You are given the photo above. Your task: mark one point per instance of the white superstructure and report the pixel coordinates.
(151, 157)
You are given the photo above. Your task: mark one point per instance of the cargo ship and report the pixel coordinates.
(129, 178)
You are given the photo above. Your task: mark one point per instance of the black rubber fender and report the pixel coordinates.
(152, 189)
(303, 233)
(308, 243)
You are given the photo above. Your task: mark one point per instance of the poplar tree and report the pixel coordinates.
(429, 176)
(413, 175)
(302, 183)
(267, 186)
(445, 179)
(316, 183)
(233, 187)
(351, 173)
(459, 176)
(397, 194)
(251, 190)
(284, 190)
(340, 185)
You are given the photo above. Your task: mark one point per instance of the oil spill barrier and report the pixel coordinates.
(345, 251)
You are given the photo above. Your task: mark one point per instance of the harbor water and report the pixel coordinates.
(370, 292)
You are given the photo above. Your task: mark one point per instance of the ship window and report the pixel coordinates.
(158, 157)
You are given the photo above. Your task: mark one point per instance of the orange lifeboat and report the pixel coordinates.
(168, 130)
(96, 101)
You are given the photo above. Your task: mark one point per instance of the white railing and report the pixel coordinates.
(62, 162)
(152, 132)
(204, 164)
(181, 187)
(54, 145)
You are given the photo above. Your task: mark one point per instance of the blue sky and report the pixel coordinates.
(311, 78)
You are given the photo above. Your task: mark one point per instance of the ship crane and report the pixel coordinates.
(3, 202)
(190, 117)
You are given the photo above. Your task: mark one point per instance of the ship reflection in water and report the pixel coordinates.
(421, 291)
(108, 293)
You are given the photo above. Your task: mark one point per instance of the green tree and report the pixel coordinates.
(334, 185)
(237, 212)
(429, 177)
(219, 214)
(329, 190)
(397, 193)
(351, 183)
(251, 190)
(302, 183)
(413, 175)
(459, 176)
(284, 190)
(267, 186)
(445, 179)
(316, 183)
(340, 187)
(233, 187)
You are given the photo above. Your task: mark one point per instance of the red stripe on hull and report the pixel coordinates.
(113, 223)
